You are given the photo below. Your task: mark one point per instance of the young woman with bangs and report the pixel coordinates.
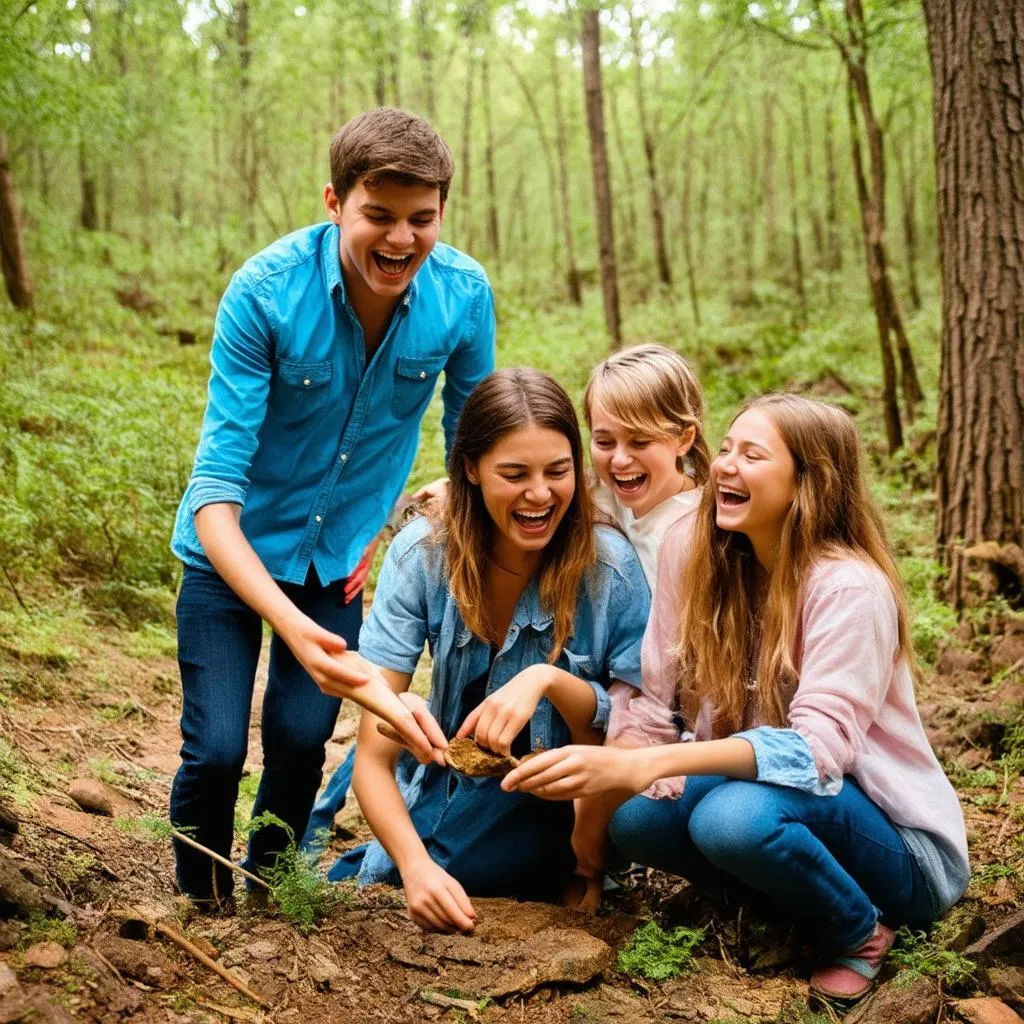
(530, 611)
(780, 635)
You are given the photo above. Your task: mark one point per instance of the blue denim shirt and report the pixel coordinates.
(413, 606)
(314, 443)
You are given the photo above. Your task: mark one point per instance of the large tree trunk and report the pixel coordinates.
(647, 135)
(12, 250)
(906, 172)
(977, 57)
(572, 273)
(591, 40)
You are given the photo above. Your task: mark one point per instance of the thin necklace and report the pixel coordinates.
(511, 572)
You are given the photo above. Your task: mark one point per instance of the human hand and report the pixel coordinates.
(423, 736)
(576, 771)
(356, 580)
(498, 720)
(325, 656)
(436, 901)
(436, 489)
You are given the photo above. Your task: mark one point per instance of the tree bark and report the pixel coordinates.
(425, 42)
(466, 214)
(629, 204)
(794, 227)
(572, 274)
(591, 40)
(855, 57)
(906, 174)
(493, 239)
(17, 279)
(687, 224)
(650, 162)
(817, 230)
(834, 259)
(771, 236)
(977, 58)
(89, 216)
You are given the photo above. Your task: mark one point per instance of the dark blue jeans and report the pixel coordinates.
(219, 638)
(837, 862)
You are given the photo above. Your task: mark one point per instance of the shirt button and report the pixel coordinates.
(405, 301)
(344, 456)
(423, 374)
(319, 519)
(306, 382)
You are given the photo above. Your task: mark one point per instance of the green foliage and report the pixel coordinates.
(302, 894)
(657, 954)
(933, 620)
(48, 929)
(919, 956)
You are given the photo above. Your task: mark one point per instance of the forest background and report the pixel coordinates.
(754, 184)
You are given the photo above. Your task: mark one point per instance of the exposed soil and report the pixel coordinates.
(110, 727)
(467, 757)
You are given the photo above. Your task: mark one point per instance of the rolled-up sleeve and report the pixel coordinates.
(241, 367)
(471, 361)
(395, 631)
(784, 758)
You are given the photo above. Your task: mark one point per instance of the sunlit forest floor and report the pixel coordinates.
(99, 414)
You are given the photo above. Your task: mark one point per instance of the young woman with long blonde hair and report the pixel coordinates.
(781, 637)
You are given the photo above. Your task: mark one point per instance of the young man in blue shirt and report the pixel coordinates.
(326, 351)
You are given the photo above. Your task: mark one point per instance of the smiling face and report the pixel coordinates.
(386, 234)
(527, 481)
(754, 481)
(639, 468)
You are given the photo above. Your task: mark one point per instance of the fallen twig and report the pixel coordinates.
(450, 1002)
(179, 940)
(181, 837)
(109, 966)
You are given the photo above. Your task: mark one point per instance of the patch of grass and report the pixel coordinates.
(985, 876)
(151, 640)
(73, 867)
(302, 894)
(15, 782)
(247, 790)
(119, 711)
(656, 954)
(48, 929)
(918, 956)
(101, 768)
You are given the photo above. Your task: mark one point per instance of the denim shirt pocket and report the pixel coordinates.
(414, 384)
(299, 390)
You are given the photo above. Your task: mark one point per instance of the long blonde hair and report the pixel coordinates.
(505, 401)
(729, 632)
(652, 390)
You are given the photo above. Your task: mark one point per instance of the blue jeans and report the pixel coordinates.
(332, 799)
(837, 862)
(219, 639)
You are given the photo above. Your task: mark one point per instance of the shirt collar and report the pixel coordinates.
(330, 254)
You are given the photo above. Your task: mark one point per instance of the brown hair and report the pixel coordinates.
(505, 401)
(729, 632)
(387, 144)
(652, 390)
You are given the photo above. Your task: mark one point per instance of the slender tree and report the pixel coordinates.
(591, 40)
(572, 274)
(977, 58)
(12, 249)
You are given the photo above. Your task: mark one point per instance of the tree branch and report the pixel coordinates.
(790, 40)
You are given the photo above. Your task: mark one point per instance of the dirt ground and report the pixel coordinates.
(113, 721)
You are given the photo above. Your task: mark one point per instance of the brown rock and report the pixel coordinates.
(8, 981)
(1013, 625)
(986, 1011)
(953, 660)
(92, 796)
(969, 930)
(10, 933)
(14, 1007)
(1006, 941)
(138, 960)
(18, 896)
(897, 1003)
(1007, 652)
(47, 955)
(1007, 983)
(559, 956)
(466, 757)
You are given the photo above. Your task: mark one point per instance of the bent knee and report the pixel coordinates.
(735, 821)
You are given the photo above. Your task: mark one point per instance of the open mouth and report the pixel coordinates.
(730, 498)
(629, 483)
(392, 266)
(533, 522)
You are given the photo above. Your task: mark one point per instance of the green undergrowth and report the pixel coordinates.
(101, 408)
(917, 955)
(656, 954)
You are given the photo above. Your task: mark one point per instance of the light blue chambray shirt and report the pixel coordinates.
(413, 605)
(314, 443)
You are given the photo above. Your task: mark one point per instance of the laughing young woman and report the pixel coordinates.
(530, 611)
(782, 639)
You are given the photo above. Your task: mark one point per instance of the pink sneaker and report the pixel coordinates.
(851, 976)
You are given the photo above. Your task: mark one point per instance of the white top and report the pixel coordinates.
(648, 531)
